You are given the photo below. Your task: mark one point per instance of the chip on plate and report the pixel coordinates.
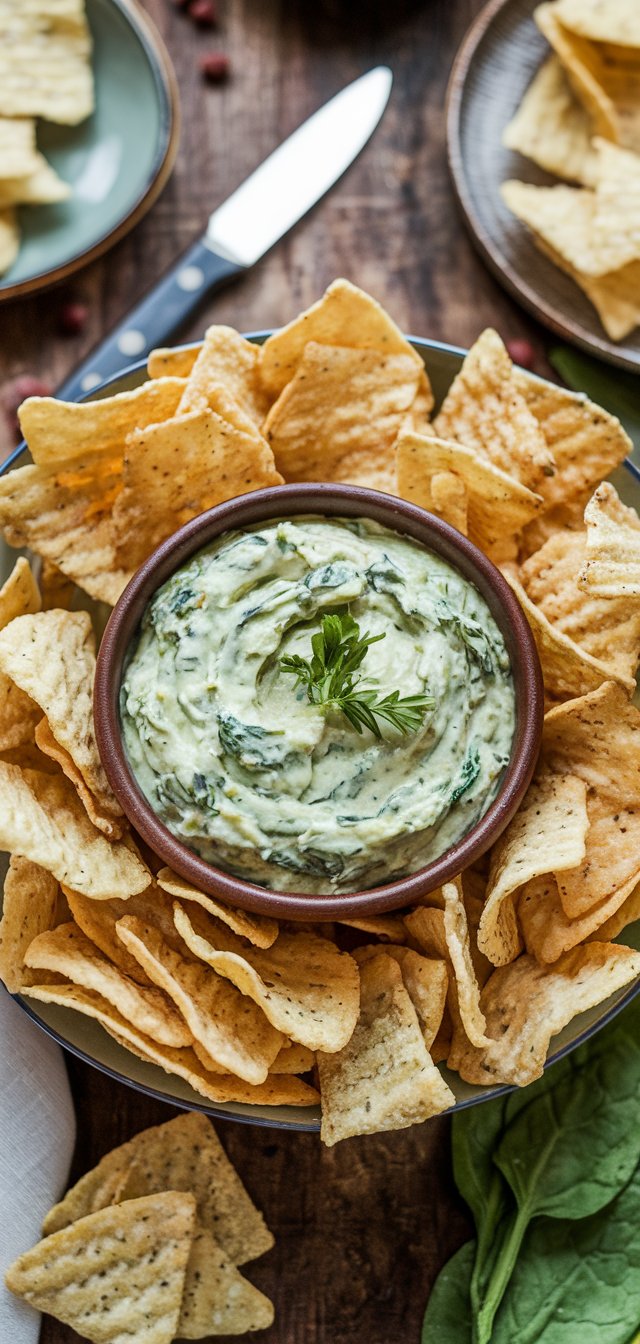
(28, 909)
(552, 127)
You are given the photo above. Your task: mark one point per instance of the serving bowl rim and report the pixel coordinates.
(324, 499)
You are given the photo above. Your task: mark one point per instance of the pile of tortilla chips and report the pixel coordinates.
(45, 71)
(482, 973)
(580, 120)
(162, 1224)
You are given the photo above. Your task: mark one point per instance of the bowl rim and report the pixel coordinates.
(327, 500)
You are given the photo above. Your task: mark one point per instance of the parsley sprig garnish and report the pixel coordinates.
(331, 680)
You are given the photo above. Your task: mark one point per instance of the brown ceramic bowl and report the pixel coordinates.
(331, 501)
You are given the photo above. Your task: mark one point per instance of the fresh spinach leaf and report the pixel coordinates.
(448, 1318)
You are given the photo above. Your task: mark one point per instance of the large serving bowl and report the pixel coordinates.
(331, 501)
(90, 1042)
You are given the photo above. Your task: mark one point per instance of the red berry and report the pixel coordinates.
(72, 318)
(215, 67)
(15, 391)
(522, 352)
(203, 12)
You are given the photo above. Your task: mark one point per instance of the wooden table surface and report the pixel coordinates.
(361, 1230)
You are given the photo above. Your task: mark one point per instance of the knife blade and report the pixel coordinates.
(239, 232)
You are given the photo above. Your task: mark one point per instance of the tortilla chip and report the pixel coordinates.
(426, 980)
(344, 316)
(259, 930)
(306, 987)
(616, 225)
(418, 417)
(56, 590)
(449, 499)
(484, 411)
(51, 656)
(228, 364)
(18, 152)
(68, 952)
(566, 668)
(497, 504)
(548, 832)
(611, 859)
(552, 128)
(614, 21)
(29, 908)
(384, 1078)
(445, 933)
(118, 1273)
(584, 68)
(173, 362)
(42, 819)
(592, 236)
(598, 738)
(9, 238)
(217, 1299)
(549, 932)
(341, 407)
(179, 468)
(181, 1154)
(18, 714)
(587, 442)
(293, 1059)
(63, 513)
(97, 920)
(606, 628)
(60, 432)
(611, 567)
(183, 1063)
(527, 1004)
(232, 1029)
(615, 297)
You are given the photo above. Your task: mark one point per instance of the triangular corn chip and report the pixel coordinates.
(42, 818)
(552, 128)
(388, 928)
(384, 1078)
(51, 656)
(305, 986)
(18, 152)
(587, 442)
(293, 1058)
(59, 432)
(28, 909)
(611, 861)
(217, 1299)
(232, 1029)
(626, 914)
(527, 1004)
(227, 363)
(344, 316)
(45, 63)
(611, 566)
(484, 411)
(448, 499)
(257, 928)
(616, 21)
(182, 1154)
(497, 504)
(74, 957)
(606, 85)
(341, 413)
(426, 980)
(205, 459)
(547, 833)
(606, 628)
(615, 296)
(173, 362)
(116, 1274)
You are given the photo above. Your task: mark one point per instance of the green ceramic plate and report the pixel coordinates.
(116, 162)
(90, 1042)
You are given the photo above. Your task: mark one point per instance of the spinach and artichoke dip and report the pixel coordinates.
(242, 766)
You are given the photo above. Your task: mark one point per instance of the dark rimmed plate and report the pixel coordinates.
(116, 162)
(491, 73)
(88, 1040)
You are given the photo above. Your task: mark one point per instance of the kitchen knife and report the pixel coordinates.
(245, 226)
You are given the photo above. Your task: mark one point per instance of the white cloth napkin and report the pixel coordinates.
(37, 1136)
